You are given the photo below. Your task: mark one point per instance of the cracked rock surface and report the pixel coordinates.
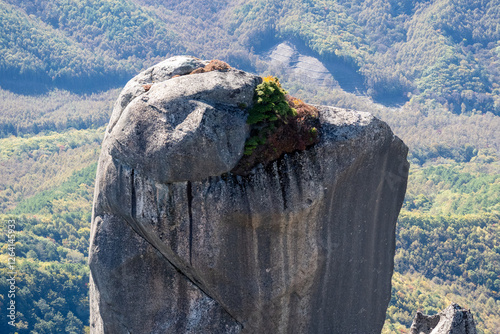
(453, 320)
(181, 245)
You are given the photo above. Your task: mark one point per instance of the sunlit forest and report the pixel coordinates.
(430, 69)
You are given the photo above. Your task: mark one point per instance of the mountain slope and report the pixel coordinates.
(78, 44)
(427, 50)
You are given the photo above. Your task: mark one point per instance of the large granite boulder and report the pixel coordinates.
(453, 320)
(186, 128)
(179, 244)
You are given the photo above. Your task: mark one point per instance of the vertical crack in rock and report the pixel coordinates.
(304, 245)
(282, 187)
(133, 198)
(189, 193)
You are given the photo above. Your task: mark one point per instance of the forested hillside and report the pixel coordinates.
(446, 51)
(431, 69)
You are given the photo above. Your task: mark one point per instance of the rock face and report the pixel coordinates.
(181, 245)
(193, 131)
(304, 66)
(453, 320)
(309, 69)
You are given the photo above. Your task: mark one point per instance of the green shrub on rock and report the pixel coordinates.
(279, 124)
(270, 108)
(271, 104)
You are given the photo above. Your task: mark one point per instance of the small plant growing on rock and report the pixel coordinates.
(271, 104)
(270, 108)
(279, 124)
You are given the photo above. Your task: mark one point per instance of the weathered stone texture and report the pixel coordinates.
(303, 245)
(453, 320)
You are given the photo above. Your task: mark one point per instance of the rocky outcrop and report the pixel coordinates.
(453, 320)
(303, 65)
(183, 129)
(179, 244)
(306, 68)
